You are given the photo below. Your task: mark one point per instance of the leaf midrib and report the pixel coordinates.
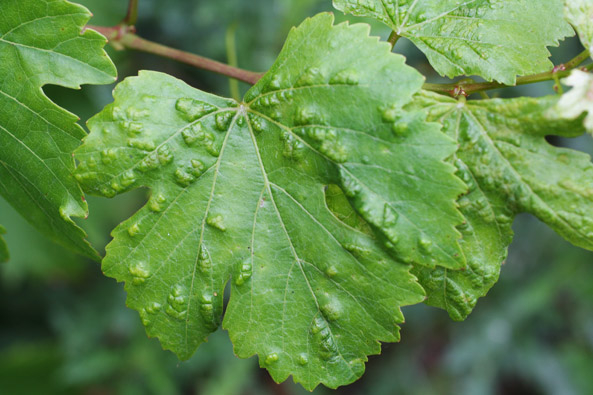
(297, 261)
(206, 212)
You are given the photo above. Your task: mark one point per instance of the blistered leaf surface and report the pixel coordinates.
(494, 39)
(41, 43)
(510, 168)
(580, 15)
(252, 192)
(390, 161)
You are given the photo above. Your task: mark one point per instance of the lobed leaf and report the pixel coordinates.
(510, 168)
(494, 39)
(391, 163)
(579, 14)
(41, 43)
(242, 191)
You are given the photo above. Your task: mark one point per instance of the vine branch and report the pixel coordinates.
(122, 36)
(467, 87)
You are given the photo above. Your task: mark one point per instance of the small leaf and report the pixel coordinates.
(41, 43)
(579, 14)
(494, 39)
(510, 168)
(3, 247)
(240, 193)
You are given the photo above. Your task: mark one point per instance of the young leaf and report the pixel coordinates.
(510, 168)
(3, 248)
(579, 14)
(41, 43)
(494, 39)
(238, 192)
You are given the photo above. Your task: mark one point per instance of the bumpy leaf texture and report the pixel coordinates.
(41, 43)
(510, 168)
(240, 192)
(579, 14)
(494, 39)
(3, 247)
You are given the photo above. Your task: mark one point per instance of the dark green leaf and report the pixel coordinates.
(41, 43)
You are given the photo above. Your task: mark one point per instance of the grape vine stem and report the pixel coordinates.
(123, 36)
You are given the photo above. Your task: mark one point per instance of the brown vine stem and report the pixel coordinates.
(467, 87)
(122, 36)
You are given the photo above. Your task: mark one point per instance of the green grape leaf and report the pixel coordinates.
(241, 192)
(41, 43)
(578, 100)
(391, 162)
(494, 39)
(579, 14)
(510, 168)
(3, 247)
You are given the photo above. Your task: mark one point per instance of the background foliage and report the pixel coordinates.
(66, 329)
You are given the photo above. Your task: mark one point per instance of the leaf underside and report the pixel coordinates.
(494, 39)
(41, 43)
(253, 192)
(510, 168)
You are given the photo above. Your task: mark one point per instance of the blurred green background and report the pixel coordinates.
(65, 328)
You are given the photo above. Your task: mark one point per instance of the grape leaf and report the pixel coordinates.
(391, 162)
(510, 168)
(3, 248)
(41, 43)
(239, 192)
(494, 39)
(579, 14)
